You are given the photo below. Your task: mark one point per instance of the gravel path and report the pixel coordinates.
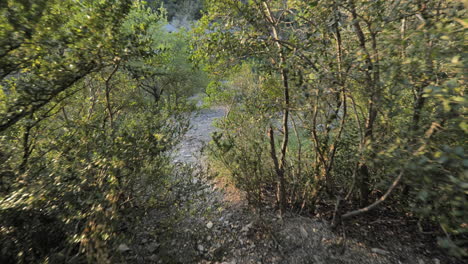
(198, 135)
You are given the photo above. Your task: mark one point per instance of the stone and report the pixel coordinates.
(123, 248)
(303, 231)
(153, 247)
(209, 225)
(380, 251)
(200, 248)
(153, 258)
(247, 227)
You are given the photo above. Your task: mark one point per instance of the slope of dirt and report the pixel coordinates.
(197, 224)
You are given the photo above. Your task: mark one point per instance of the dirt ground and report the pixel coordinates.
(204, 223)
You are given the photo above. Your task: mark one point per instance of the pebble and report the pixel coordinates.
(200, 248)
(153, 258)
(209, 225)
(380, 251)
(123, 248)
(153, 247)
(304, 233)
(247, 227)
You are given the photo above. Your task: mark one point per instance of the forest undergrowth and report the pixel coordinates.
(330, 131)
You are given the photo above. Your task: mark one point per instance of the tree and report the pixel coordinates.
(79, 138)
(47, 46)
(360, 77)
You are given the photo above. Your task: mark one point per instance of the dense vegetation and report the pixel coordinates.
(343, 103)
(344, 106)
(91, 103)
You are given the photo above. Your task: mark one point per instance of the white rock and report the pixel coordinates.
(380, 251)
(200, 248)
(209, 225)
(123, 248)
(303, 232)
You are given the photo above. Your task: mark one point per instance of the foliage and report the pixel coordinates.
(82, 142)
(376, 89)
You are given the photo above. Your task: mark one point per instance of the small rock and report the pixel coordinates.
(153, 247)
(153, 258)
(420, 261)
(380, 251)
(200, 248)
(144, 241)
(303, 232)
(247, 227)
(123, 248)
(436, 261)
(209, 225)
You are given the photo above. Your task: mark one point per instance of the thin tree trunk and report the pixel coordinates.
(372, 74)
(108, 89)
(286, 100)
(26, 145)
(279, 172)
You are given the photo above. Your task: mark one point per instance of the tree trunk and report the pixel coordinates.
(281, 163)
(372, 77)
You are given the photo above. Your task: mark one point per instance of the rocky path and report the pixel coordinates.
(189, 150)
(198, 225)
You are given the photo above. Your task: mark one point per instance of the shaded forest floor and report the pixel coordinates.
(204, 221)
